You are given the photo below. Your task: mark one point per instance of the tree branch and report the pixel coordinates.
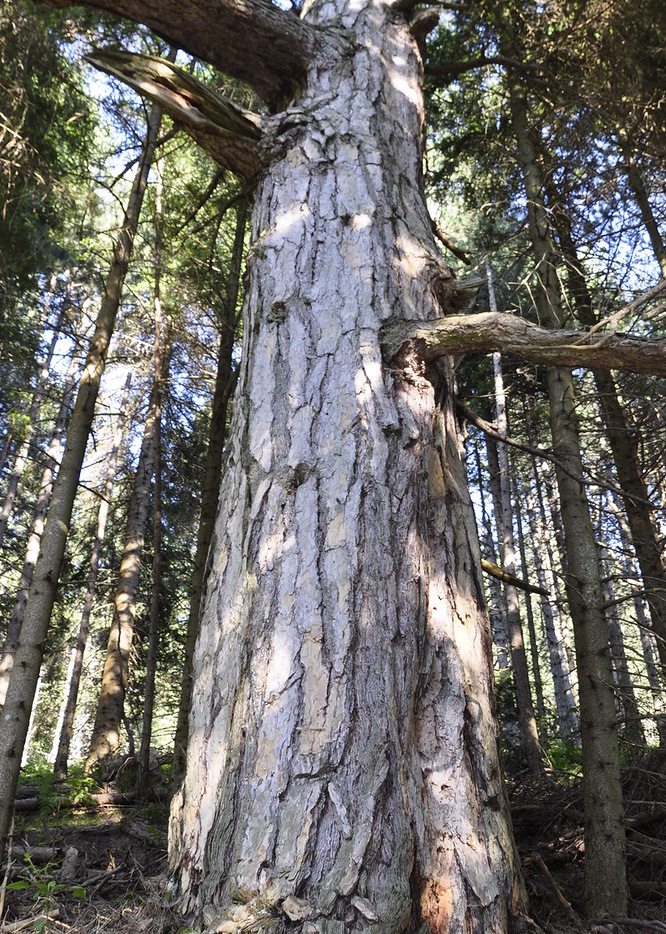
(252, 40)
(507, 578)
(459, 68)
(489, 332)
(226, 132)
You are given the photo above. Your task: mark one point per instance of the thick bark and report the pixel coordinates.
(224, 385)
(605, 861)
(74, 679)
(53, 456)
(342, 766)
(20, 693)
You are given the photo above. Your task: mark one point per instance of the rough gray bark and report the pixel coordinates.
(67, 725)
(342, 766)
(20, 693)
(605, 861)
(224, 385)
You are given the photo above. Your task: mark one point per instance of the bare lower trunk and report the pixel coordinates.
(20, 693)
(156, 583)
(224, 384)
(565, 701)
(105, 737)
(526, 718)
(67, 725)
(342, 769)
(605, 863)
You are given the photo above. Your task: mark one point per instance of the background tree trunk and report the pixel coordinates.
(224, 385)
(53, 456)
(67, 725)
(111, 704)
(605, 862)
(20, 693)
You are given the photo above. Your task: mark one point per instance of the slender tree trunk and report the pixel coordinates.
(14, 723)
(342, 767)
(21, 459)
(529, 733)
(154, 627)
(632, 727)
(53, 456)
(531, 628)
(605, 862)
(496, 608)
(224, 385)
(67, 725)
(624, 445)
(105, 737)
(635, 179)
(565, 700)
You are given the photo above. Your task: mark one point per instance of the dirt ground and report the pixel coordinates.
(103, 871)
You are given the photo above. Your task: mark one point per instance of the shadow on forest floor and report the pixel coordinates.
(102, 869)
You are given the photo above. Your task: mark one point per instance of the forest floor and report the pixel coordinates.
(103, 869)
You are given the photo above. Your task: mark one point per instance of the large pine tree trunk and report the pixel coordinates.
(342, 762)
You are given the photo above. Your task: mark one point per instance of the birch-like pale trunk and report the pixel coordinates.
(342, 763)
(53, 455)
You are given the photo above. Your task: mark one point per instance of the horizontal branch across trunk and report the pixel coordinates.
(491, 332)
